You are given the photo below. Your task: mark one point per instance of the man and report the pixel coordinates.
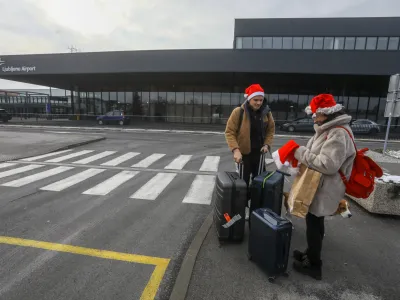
(249, 132)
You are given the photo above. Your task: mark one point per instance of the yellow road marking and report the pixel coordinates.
(153, 284)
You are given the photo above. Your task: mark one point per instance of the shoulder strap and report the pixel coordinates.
(348, 132)
(240, 119)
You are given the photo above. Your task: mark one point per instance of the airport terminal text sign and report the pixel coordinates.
(11, 69)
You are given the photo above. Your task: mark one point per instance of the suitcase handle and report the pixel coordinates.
(240, 169)
(261, 163)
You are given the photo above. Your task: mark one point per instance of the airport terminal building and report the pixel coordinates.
(293, 59)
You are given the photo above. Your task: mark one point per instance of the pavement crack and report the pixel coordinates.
(22, 197)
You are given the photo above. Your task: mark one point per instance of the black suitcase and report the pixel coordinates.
(267, 191)
(269, 242)
(230, 197)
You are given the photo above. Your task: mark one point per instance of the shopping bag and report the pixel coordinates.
(303, 190)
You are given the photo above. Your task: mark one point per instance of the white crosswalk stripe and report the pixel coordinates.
(72, 180)
(92, 158)
(148, 160)
(201, 190)
(198, 191)
(120, 159)
(210, 163)
(179, 162)
(72, 155)
(154, 187)
(46, 155)
(110, 184)
(6, 165)
(19, 170)
(36, 177)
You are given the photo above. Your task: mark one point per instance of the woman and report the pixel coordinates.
(331, 149)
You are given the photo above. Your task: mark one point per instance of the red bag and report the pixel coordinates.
(362, 179)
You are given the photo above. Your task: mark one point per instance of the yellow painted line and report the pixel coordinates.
(153, 284)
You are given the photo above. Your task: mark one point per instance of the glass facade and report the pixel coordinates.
(186, 107)
(319, 43)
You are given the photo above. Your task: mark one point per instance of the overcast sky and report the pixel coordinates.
(49, 26)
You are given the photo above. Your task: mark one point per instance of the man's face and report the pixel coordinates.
(256, 102)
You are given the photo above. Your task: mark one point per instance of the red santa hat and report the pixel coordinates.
(284, 156)
(253, 90)
(323, 103)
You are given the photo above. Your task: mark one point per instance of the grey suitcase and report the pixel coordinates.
(230, 197)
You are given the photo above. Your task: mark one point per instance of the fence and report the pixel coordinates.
(361, 128)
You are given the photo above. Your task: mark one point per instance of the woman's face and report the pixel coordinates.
(256, 102)
(319, 119)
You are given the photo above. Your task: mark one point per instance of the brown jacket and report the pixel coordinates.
(242, 139)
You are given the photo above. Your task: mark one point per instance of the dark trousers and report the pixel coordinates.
(315, 235)
(251, 163)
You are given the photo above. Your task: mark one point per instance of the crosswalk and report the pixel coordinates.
(106, 171)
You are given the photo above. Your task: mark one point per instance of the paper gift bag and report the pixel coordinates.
(303, 190)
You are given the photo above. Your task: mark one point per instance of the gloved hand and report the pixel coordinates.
(237, 156)
(285, 154)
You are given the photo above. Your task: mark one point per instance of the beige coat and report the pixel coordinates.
(329, 150)
(241, 139)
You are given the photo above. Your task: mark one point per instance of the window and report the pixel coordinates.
(350, 43)
(247, 42)
(360, 43)
(393, 43)
(267, 42)
(239, 43)
(382, 43)
(328, 43)
(371, 43)
(308, 43)
(277, 42)
(287, 43)
(339, 43)
(257, 42)
(297, 43)
(318, 43)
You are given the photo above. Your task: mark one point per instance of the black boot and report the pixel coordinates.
(299, 256)
(305, 267)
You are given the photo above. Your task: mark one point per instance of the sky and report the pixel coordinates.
(52, 26)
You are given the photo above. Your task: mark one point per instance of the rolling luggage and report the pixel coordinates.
(230, 197)
(269, 242)
(267, 191)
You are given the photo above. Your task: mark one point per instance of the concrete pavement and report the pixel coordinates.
(158, 225)
(361, 261)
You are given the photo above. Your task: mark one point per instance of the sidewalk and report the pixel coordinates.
(140, 124)
(360, 255)
(17, 145)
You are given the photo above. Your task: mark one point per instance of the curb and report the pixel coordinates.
(168, 131)
(185, 273)
(58, 149)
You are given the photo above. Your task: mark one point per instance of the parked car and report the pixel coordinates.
(4, 115)
(113, 117)
(301, 124)
(365, 126)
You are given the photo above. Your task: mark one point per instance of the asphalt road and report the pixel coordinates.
(95, 212)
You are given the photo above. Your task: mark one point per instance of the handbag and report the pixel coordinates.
(302, 193)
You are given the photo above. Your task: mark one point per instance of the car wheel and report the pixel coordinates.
(100, 122)
(121, 123)
(291, 129)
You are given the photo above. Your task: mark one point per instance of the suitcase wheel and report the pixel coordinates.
(286, 274)
(249, 256)
(271, 279)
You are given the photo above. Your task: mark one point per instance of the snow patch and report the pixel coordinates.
(389, 178)
(392, 153)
